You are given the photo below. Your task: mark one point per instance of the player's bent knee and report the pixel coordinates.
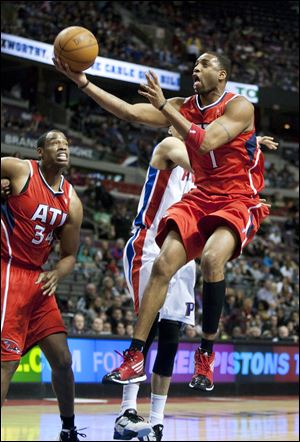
(211, 262)
(162, 267)
(63, 361)
(168, 340)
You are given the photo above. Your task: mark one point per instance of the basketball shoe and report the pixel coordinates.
(71, 435)
(156, 433)
(130, 425)
(130, 371)
(204, 368)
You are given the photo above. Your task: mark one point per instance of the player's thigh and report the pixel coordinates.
(219, 247)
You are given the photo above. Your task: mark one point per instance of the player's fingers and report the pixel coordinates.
(154, 76)
(144, 94)
(57, 63)
(150, 80)
(52, 291)
(48, 290)
(40, 278)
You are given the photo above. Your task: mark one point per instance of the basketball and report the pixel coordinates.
(77, 47)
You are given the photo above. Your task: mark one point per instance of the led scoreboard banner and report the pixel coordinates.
(110, 68)
(243, 363)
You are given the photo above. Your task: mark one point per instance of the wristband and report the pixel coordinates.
(163, 105)
(85, 85)
(195, 137)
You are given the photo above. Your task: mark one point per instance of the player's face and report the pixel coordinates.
(56, 150)
(206, 74)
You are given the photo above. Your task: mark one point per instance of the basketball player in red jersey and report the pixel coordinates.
(213, 222)
(42, 204)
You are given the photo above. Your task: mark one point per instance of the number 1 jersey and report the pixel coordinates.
(237, 167)
(28, 220)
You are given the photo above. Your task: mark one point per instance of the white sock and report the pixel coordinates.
(130, 393)
(158, 403)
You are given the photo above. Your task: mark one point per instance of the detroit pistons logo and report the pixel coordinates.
(11, 346)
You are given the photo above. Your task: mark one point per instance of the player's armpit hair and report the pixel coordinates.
(225, 128)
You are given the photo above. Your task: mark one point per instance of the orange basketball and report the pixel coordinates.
(77, 47)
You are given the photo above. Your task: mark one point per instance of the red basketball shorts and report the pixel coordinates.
(198, 215)
(26, 315)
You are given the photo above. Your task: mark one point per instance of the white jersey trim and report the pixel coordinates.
(249, 172)
(210, 105)
(248, 223)
(30, 166)
(6, 276)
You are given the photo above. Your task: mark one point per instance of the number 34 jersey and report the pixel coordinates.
(28, 220)
(237, 167)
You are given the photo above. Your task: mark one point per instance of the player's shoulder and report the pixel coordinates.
(15, 166)
(238, 103)
(177, 102)
(75, 202)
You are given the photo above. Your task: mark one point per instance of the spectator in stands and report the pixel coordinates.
(120, 329)
(266, 293)
(107, 329)
(116, 316)
(237, 333)
(97, 327)
(78, 324)
(117, 251)
(88, 299)
(254, 332)
(121, 221)
(129, 330)
(86, 251)
(95, 308)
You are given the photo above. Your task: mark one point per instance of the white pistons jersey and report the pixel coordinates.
(162, 189)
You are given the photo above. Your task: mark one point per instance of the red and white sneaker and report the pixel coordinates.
(204, 369)
(131, 371)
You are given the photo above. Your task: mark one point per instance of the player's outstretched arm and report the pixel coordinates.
(69, 243)
(142, 113)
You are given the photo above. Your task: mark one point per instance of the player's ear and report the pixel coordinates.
(40, 152)
(222, 74)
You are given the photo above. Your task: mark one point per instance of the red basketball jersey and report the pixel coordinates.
(234, 168)
(28, 220)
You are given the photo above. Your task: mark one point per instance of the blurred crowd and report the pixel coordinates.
(256, 36)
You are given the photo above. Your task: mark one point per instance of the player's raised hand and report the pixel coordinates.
(265, 203)
(152, 90)
(268, 142)
(51, 280)
(78, 77)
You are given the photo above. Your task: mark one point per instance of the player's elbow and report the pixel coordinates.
(205, 147)
(131, 115)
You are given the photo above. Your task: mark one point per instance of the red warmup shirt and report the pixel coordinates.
(28, 220)
(234, 168)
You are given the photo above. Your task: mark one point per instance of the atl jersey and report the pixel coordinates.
(28, 220)
(162, 188)
(234, 168)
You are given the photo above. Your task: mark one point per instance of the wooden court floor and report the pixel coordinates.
(186, 419)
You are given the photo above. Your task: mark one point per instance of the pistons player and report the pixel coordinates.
(165, 184)
(41, 205)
